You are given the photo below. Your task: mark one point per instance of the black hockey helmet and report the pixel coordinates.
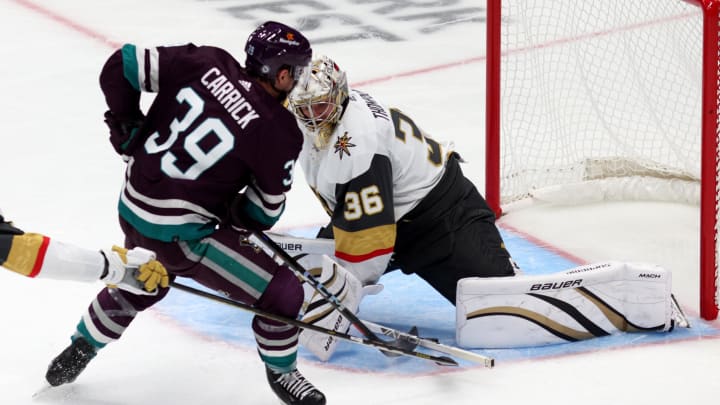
(273, 46)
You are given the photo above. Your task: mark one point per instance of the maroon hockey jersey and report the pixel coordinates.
(210, 132)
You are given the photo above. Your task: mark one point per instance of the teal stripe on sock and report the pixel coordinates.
(283, 364)
(84, 332)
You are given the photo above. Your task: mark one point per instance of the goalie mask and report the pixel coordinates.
(318, 98)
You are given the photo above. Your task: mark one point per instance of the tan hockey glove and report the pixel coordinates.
(135, 270)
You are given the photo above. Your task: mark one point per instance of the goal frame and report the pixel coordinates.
(709, 143)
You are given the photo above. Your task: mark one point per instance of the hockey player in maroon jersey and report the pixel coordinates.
(213, 157)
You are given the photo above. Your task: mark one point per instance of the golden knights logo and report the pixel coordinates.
(343, 144)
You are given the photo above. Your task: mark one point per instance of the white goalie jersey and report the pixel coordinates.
(378, 166)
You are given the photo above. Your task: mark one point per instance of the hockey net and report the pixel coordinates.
(606, 100)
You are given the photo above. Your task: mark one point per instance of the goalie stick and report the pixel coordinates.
(376, 343)
(402, 339)
(305, 275)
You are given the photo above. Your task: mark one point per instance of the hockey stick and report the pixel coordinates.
(402, 340)
(305, 275)
(376, 343)
(431, 344)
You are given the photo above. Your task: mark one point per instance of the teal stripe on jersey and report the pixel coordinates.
(130, 65)
(166, 233)
(259, 215)
(234, 268)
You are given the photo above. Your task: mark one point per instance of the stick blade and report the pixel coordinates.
(403, 344)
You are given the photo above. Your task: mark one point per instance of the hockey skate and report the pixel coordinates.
(68, 365)
(294, 389)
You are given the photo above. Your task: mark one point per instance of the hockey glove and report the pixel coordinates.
(124, 132)
(135, 271)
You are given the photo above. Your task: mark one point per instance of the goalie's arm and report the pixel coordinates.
(363, 221)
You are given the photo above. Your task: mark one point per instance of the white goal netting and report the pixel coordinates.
(602, 100)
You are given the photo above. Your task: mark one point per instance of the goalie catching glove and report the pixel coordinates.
(134, 270)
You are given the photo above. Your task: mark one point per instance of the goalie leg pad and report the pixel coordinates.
(320, 312)
(580, 303)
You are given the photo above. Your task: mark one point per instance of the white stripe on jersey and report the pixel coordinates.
(154, 68)
(162, 219)
(171, 203)
(259, 201)
(270, 198)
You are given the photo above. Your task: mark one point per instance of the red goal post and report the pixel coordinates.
(613, 99)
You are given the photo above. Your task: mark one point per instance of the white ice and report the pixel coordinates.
(59, 176)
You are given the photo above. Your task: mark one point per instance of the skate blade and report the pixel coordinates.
(42, 390)
(62, 393)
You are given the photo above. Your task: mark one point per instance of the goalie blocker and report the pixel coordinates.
(580, 303)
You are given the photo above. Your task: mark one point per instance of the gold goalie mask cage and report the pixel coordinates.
(318, 97)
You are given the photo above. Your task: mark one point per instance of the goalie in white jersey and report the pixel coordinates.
(396, 197)
(399, 200)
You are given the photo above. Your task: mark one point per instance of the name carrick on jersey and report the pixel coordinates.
(210, 132)
(378, 166)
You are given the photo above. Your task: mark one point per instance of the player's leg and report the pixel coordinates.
(104, 322)
(249, 275)
(109, 315)
(477, 251)
(451, 235)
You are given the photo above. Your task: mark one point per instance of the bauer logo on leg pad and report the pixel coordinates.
(556, 285)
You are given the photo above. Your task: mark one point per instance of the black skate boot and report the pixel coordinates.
(68, 365)
(293, 389)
